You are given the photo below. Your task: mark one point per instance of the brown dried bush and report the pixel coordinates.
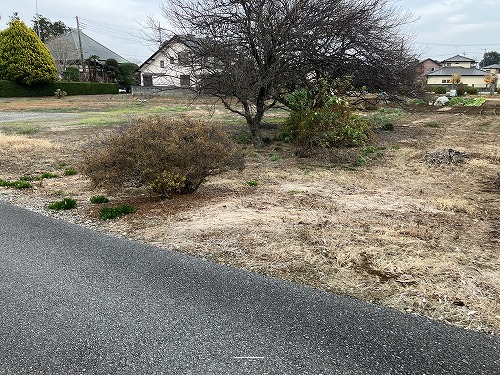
(165, 155)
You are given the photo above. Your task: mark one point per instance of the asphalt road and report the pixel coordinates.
(76, 301)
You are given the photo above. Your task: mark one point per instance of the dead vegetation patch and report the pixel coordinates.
(416, 233)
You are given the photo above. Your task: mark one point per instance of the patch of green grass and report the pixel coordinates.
(275, 157)
(19, 184)
(96, 199)
(109, 213)
(69, 171)
(11, 128)
(295, 191)
(252, 183)
(65, 204)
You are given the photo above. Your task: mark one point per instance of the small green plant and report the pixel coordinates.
(69, 171)
(19, 184)
(252, 183)
(244, 138)
(65, 204)
(275, 157)
(96, 199)
(109, 213)
(49, 175)
(471, 90)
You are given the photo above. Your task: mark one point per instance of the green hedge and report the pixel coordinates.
(9, 89)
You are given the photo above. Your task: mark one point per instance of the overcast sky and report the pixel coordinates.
(441, 28)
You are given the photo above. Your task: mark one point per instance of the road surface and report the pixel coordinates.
(76, 301)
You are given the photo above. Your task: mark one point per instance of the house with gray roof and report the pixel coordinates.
(464, 66)
(66, 51)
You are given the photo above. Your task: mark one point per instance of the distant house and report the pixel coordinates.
(464, 66)
(495, 68)
(172, 65)
(428, 65)
(65, 49)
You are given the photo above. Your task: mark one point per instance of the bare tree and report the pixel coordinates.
(252, 53)
(63, 51)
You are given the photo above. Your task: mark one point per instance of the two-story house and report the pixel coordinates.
(171, 65)
(461, 65)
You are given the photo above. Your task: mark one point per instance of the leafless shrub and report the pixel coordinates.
(167, 156)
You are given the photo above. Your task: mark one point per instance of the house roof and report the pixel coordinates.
(190, 41)
(459, 58)
(449, 70)
(431, 60)
(494, 66)
(89, 46)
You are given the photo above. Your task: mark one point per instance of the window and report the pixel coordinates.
(172, 60)
(183, 58)
(443, 81)
(147, 80)
(185, 80)
(162, 64)
(432, 69)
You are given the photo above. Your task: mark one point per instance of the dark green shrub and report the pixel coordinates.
(109, 213)
(65, 204)
(322, 120)
(96, 199)
(439, 90)
(72, 73)
(167, 156)
(9, 89)
(471, 90)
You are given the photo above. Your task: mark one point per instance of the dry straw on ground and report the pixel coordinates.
(422, 238)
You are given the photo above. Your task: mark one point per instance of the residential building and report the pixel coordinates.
(65, 49)
(171, 65)
(466, 67)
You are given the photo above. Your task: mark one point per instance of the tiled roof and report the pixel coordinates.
(494, 66)
(90, 47)
(458, 58)
(449, 70)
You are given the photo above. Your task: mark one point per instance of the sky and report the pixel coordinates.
(440, 29)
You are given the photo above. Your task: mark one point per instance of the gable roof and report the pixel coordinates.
(459, 58)
(89, 46)
(190, 41)
(494, 66)
(449, 70)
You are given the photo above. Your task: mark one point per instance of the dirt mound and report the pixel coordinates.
(444, 156)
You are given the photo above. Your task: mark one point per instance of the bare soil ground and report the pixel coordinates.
(416, 228)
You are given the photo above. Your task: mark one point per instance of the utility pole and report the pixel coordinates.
(37, 20)
(81, 49)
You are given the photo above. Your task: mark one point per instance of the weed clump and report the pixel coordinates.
(65, 204)
(19, 184)
(166, 156)
(97, 199)
(109, 213)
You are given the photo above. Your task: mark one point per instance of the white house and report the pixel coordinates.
(171, 65)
